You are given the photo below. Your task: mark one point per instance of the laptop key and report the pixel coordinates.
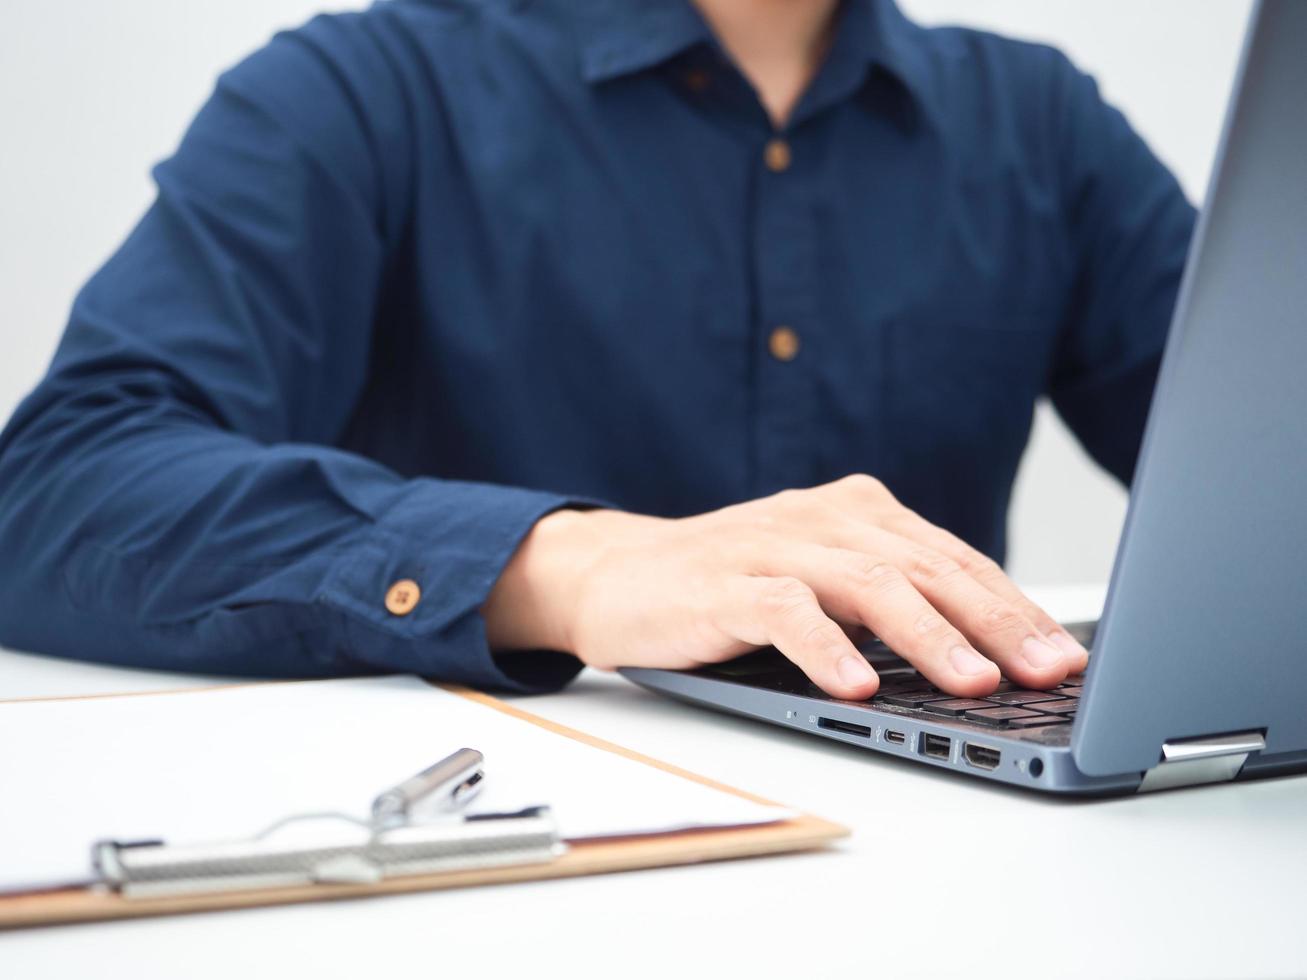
(954, 706)
(1058, 707)
(1070, 692)
(1023, 697)
(911, 699)
(896, 686)
(998, 717)
(1039, 720)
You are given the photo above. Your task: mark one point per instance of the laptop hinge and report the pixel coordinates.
(1211, 759)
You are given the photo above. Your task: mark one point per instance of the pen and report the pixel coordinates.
(451, 782)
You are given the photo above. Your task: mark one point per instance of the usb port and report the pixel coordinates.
(848, 728)
(895, 738)
(935, 746)
(981, 756)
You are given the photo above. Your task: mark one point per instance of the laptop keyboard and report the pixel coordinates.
(1045, 716)
(1010, 707)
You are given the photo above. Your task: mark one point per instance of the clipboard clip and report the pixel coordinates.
(340, 849)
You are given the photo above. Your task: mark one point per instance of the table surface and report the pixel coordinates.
(942, 876)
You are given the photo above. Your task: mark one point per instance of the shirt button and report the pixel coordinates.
(402, 597)
(783, 344)
(777, 156)
(697, 80)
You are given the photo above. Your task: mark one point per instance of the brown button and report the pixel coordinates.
(696, 80)
(777, 156)
(402, 597)
(783, 344)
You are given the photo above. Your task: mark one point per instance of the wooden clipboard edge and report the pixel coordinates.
(199, 689)
(492, 702)
(800, 833)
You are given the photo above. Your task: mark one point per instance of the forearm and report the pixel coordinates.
(133, 530)
(169, 495)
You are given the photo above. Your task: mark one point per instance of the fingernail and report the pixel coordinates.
(1068, 645)
(967, 661)
(854, 671)
(1040, 653)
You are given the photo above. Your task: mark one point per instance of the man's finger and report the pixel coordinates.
(991, 575)
(854, 586)
(785, 612)
(998, 626)
(867, 502)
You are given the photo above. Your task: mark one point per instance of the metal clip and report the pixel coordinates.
(348, 852)
(1192, 761)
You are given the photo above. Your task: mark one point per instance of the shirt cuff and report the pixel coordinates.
(412, 587)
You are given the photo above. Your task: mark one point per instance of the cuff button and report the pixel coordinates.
(402, 597)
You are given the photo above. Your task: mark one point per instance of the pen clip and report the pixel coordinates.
(449, 784)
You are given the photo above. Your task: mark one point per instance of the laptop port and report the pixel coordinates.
(895, 738)
(981, 756)
(935, 746)
(848, 728)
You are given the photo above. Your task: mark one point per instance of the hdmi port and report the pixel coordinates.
(862, 731)
(981, 756)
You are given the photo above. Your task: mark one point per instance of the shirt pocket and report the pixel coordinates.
(962, 393)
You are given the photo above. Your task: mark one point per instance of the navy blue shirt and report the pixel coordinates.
(418, 275)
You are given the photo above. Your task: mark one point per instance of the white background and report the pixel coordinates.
(93, 92)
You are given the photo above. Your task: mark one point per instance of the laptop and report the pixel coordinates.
(1198, 672)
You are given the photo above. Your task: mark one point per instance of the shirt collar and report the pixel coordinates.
(621, 38)
(875, 40)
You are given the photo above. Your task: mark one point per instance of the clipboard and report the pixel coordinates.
(586, 857)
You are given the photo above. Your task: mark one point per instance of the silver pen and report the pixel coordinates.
(448, 784)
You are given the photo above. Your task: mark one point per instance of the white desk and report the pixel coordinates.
(943, 876)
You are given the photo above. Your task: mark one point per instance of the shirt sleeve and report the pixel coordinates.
(1130, 226)
(169, 496)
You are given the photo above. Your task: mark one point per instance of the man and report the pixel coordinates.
(487, 339)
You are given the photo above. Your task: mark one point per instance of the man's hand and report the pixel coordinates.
(793, 570)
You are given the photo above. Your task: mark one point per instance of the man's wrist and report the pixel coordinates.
(533, 605)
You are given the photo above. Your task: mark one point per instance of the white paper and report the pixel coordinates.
(220, 764)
